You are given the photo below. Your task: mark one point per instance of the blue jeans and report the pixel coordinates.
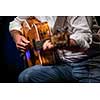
(45, 74)
(87, 71)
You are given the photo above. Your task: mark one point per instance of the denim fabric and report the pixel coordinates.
(94, 69)
(87, 71)
(45, 74)
(83, 72)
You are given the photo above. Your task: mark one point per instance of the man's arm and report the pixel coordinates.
(81, 33)
(16, 33)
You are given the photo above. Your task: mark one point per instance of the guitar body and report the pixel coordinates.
(35, 32)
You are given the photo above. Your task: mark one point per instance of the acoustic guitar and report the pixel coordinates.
(37, 33)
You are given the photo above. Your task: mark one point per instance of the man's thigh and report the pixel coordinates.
(46, 74)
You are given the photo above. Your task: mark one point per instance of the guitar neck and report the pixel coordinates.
(58, 40)
(39, 32)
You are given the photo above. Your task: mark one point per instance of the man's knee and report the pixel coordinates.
(23, 77)
(26, 75)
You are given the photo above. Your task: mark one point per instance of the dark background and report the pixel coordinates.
(11, 63)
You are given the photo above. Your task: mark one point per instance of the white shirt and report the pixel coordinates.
(16, 24)
(78, 27)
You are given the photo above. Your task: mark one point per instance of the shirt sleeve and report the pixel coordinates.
(16, 23)
(81, 31)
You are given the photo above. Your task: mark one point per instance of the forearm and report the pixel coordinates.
(14, 34)
(15, 25)
(81, 31)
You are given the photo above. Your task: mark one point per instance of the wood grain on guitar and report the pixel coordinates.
(37, 33)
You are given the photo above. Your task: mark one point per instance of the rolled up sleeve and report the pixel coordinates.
(16, 23)
(81, 31)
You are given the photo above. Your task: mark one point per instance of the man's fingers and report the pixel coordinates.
(22, 50)
(50, 45)
(21, 47)
(46, 42)
(23, 44)
(24, 40)
(47, 45)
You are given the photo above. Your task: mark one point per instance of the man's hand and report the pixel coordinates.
(20, 41)
(47, 45)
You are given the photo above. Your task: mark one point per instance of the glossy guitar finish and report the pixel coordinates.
(37, 33)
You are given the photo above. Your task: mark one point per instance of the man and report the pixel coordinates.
(73, 65)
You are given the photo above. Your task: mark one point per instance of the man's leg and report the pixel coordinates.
(94, 69)
(87, 71)
(45, 74)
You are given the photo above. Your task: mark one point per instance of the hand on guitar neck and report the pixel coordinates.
(47, 45)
